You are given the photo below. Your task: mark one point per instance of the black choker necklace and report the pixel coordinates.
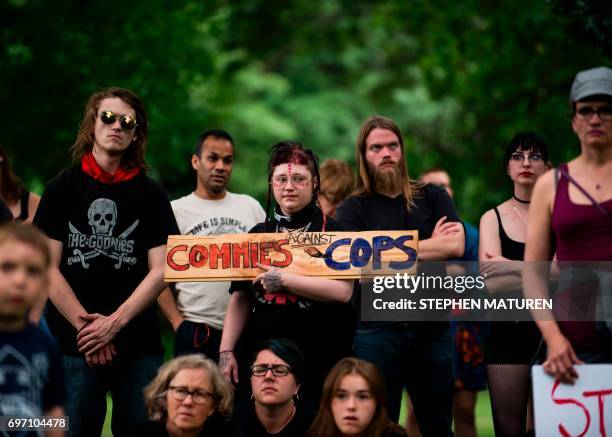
(520, 200)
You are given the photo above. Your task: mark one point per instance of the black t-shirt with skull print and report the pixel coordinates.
(106, 231)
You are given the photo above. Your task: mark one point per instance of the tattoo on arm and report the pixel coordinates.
(224, 359)
(272, 281)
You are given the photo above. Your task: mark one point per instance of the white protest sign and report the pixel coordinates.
(582, 409)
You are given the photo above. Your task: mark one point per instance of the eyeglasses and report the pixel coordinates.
(277, 369)
(586, 112)
(297, 180)
(532, 157)
(127, 122)
(180, 393)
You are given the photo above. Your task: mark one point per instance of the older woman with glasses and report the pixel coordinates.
(277, 372)
(189, 397)
(313, 312)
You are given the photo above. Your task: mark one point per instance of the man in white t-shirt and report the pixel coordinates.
(199, 309)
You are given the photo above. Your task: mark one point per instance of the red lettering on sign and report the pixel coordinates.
(224, 253)
(600, 401)
(559, 401)
(170, 260)
(198, 256)
(254, 254)
(240, 255)
(278, 247)
(264, 249)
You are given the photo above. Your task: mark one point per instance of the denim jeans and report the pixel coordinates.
(419, 357)
(86, 390)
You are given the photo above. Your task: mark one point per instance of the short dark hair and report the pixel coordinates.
(217, 133)
(287, 351)
(526, 141)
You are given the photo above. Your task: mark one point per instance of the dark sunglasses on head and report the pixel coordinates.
(127, 122)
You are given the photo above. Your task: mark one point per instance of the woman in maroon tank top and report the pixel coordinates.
(511, 346)
(574, 203)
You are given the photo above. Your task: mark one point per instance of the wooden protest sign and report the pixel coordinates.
(325, 254)
(584, 408)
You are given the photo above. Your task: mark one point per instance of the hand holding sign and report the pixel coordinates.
(560, 359)
(271, 279)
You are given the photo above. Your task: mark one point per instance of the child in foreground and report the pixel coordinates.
(31, 378)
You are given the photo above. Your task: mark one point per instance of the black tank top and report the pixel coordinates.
(23, 214)
(510, 249)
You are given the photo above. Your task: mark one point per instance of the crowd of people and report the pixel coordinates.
(285, 354)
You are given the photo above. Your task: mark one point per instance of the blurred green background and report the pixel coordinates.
(459, 77)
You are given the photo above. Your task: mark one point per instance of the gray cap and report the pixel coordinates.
(592, 82)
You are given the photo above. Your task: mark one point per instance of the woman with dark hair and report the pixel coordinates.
(353, 403)
(511, 346)
(311, 311)
(20, 201)
(278, 368)
(188, 397)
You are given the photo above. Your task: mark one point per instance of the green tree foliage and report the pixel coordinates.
(459, 77)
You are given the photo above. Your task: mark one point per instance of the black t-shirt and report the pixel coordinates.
(31, 375)
(245, 418)
(380, 212)
(106, 231)
(323, 331)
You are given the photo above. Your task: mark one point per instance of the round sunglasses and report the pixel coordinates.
(127, 122)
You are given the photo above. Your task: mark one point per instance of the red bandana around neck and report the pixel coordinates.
(93, 169)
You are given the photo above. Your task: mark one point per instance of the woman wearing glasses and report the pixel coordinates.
(511, 346)
(277, 372)
(313, 312)
(574, 206)
(189, 397)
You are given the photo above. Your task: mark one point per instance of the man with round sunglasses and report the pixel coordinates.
(198, 312)
(108, 224)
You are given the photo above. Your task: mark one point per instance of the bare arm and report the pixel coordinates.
(60, 292)
(33, 202)
(321, 289)
(56, 411)
(235, 320)
(560, 354)
(443, 247)
(168, 307)
(64, 299)
(500, 273)
(102, 329)
(38, 307)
